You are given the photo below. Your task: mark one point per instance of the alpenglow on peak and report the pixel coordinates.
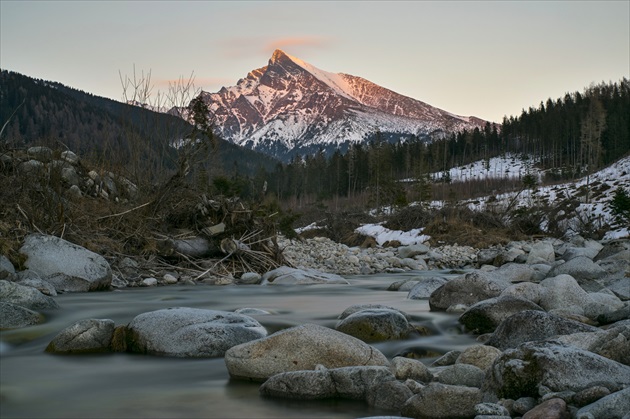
(291, 107)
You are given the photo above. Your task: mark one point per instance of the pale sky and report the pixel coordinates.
(483, 58)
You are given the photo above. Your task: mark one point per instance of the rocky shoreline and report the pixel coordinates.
(551, 317)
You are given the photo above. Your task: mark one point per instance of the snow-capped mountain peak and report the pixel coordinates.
(290, 106)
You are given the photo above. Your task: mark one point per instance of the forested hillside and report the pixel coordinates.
(568, 137)
(123, 137)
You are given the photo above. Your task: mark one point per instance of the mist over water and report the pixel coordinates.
(36, 384)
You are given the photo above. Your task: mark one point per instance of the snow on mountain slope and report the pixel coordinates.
(576, 203)
(290, 106)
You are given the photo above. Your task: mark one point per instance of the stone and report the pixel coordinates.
(425, 287)
(549, 409)
(27, 297)
(533, 325)
(70, 157)
(169, 279)
(67, 266)
(388, 395)
(491, 409)
(347, 383)
(437, 401)
(299, 348)
(149, 282)
(40, 153)
(190, 332)
(510, 273)
(583, 270)
(541, 252)
(621, 288)
(375, 325)
(523, 405)
(84, 336)
(448, 358)
(7, 271)
(611, 317)
(292, 276)
(249, 278)
(612, 343)
(563, 292)
(13, 316)
(485, 316)
(412, 250)
(460, 375)
(590, 395)
(406, 368)
(615, 405)
(601, 304)
(31, 279)
(360, 307)
(536, 368)
(527, 290)
(468, 289)
(481, 356)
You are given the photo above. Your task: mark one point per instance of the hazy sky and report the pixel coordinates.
(487, 59)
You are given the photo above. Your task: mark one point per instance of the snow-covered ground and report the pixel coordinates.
(603, 185)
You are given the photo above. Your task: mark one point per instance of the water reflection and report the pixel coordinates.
(36, 384)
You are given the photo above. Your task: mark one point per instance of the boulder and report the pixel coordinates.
(511, 273)
(532, 325)
(536, 368)
(407, 368)
(425, 287)
(190, 332)
(443, 401)
(615, 405)
(563, 292)
(412, 250)
(31, 279)
(601, 303)
(360, 307)
(7, 271)
(13, 316)
(67, 266)
(461, 375)
(527, 290)
(354, 383)
(292, 276)
(554, 408)
(376, 325)
(612, 343)
(541, 252)
(583, 270)
(468, 289)
(299, 348)
(85, 336)
(485, 316)
(481, 356)
(28, 297)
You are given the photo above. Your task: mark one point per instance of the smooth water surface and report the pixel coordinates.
(35, 384)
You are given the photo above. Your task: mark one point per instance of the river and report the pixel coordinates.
(34, 384)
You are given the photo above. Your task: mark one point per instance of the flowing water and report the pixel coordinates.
(36, 384)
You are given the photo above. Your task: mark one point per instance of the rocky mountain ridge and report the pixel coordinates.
(291, 107)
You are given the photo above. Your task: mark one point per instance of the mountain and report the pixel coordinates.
(290, 107)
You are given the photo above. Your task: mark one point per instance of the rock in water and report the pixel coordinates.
(85, 336)
(443, 401)
(190, 332)
(67, 266)
(299, 348)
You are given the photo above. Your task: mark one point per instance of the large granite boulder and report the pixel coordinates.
(533, 325)
(485, 316)
(67, 266)
(537, 368)
(583, 269)
(190, 332)
(299, 348)
(468, 290)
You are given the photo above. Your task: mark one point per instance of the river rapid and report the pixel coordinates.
(35, 384)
